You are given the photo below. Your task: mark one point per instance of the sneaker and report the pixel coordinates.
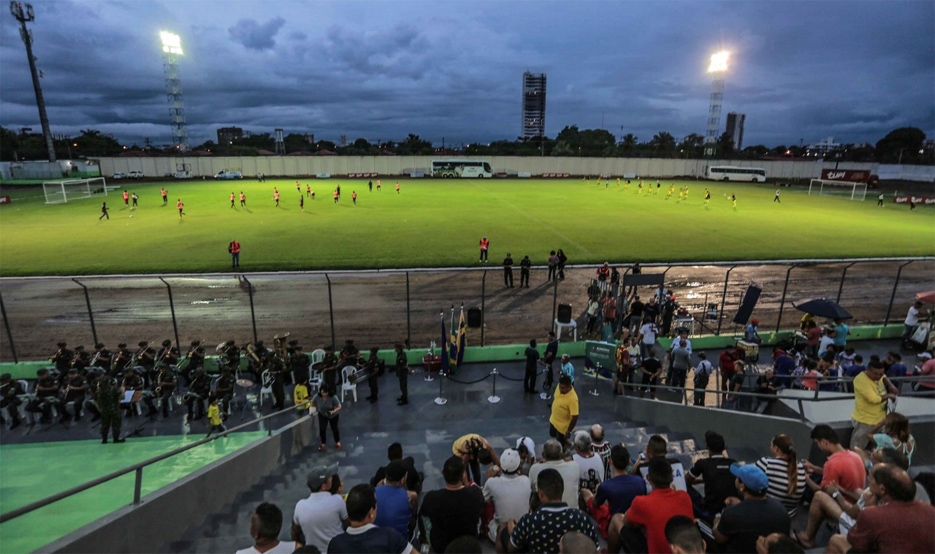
(402, 403)
(118, 441)
(321, 447)
(338, 446)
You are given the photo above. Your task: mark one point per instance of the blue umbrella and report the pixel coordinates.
(822, 307)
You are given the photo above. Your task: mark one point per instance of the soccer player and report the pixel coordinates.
(879, 200)
(243, 200)
(658, 187)
(733, 201)
(618, 181)
(378, 185)
(397, 187)
(670, 191)
(104, 212)
(336, 196)
(276, 196)
(126, 198)
(707, 198)
(298, 187)
(165, 196)
(180, 206)
(135, 201)
(681, 194)
(232, 199)
(354, 196)
(301, 201)
(308, 190)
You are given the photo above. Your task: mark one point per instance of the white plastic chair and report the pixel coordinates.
(348, 373)
(314, 380)
(265, 390)
(317, 356)
(24, 398)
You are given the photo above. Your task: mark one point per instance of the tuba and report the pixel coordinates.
(279, 346)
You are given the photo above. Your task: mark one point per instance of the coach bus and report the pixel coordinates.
(461, 168)
(733, 173)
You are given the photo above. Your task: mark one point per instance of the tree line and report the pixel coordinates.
(905, 145)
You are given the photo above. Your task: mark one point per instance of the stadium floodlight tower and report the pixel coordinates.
(717, 68)
(24, 13)
(172, 49)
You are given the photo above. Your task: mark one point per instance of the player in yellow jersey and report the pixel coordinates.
(733, 201)
(707, 198)
(670, 191)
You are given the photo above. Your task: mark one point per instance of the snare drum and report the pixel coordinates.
(245, 383)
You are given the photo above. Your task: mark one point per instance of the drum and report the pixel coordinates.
(245, 383)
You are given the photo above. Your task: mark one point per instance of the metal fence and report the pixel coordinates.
(380, 308)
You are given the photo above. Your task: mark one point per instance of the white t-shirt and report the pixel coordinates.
(284, 547)
(510, 495)
(570, 473)
(648, 330)
(320, 517)
(912, 317)
(592, 471)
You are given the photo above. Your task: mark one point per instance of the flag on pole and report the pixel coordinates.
(444, 343)
(458, 341)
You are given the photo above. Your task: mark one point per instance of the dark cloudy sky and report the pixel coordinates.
(380, 69)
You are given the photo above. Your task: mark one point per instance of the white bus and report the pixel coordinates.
(461, 168)
(734, 173)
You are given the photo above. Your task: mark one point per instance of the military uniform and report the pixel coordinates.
(329, 368)
(75, 387)
(224, 390)
(107, 397)
(122, 358)
(277, 372)
(198, 392)
(166, 382)
(375, 367)
(10, 391)
(62, 358)
(47, 395)
(299, 363)
(402, 373)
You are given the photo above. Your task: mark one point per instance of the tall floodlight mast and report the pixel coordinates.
(172, 49)
(24, 13)
(717, 68)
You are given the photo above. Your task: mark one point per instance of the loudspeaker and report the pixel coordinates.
(564, 313)
(747, 305)
(474, 318)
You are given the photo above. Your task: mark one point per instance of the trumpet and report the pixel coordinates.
(94, 358)
(56, 356)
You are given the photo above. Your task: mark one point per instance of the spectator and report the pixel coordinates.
(786, 474)
(894, 366)
(648, 334)
(895, 434)
(777, 543)
(650, 367)
(527, 453)
(913, 317)
(813, 339)
(741, 523)
(454, 510)
(843, 467)
(841, 330)
(853, 370)
(619, 491)
(320, 517)
(508, 490)
(683, 536)
(826, 342)
(642, 527)
(680, 360)
(265, 525)
(474, 451)
(636, 315)
(395, 505)
(601, 447)
(362, 535)
(811, 375)
(703, 372)
(714, 472)
(413, 477)
(896, 524)
(732, 400)
(590, 465)
(726, 364)
(767, 384)
(553, 455)
(870, 398)
(465, 544)
(751, 333)
(783, 367)
(926, 386)
(657, 447)
(574, 542)
(541, 531)
(564, 415)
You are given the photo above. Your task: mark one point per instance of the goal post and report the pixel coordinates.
(841, 189)
(60, 192)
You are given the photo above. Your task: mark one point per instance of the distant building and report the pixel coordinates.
(533, 124)
(821, 147)
(227, 135)
(735, 129)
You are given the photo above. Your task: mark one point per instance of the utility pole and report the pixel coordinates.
(24, 14)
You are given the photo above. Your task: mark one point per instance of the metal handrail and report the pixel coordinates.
(137, 467)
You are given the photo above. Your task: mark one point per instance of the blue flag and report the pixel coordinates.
(444, 343)
(456, 352)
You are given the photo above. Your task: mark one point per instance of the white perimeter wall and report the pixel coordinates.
(307, 166)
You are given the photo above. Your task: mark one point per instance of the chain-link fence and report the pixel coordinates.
(380, 308)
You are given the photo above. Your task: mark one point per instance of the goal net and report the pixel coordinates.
(59, 192)
(841, 189)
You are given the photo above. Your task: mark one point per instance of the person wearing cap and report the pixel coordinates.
(751, 333)
(742, 522)
(395, 505)
(74, 388)
(564, 415)
(166, 381)
(62, 357)
(265, 525)
(402, 373)
(508, 490)
(101, 357)
(122, 358)
(81, 361)
(364, 534)
(10, 392)
(107, 395)
(146, 357)
(47, 391)
(168, 354)
(322, 516)
(925, 387)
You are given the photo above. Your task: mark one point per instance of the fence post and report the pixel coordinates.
(408, 313)
(252, 311)
(87, 300)
(9, 333)
(841, 283)
(782, 301)
(483, 307)
(893, 296)
(720, 318)
(138, 486)
(175, 326)
(331, 306)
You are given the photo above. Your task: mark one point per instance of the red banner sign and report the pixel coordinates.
(5, 200)
(847, 175)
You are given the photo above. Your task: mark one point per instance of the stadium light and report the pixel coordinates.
(719, 62)
(171, 43)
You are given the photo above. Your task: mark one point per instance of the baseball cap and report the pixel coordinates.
(509, 460)
(396, 470)
(751, 476)
(925, 356)
(319, 474)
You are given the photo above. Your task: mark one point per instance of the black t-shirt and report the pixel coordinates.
(743, 523)
(651, 365)
(453, 514)
(718, 481)
(532, 356)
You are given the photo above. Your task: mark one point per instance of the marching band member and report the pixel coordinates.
(168, 354)
(62, 358)
(197, 393)
(73, 391)
(166, 381)
(107, 397)
(81, 360)
(224, 390)
(102, 358)
(121, 360)
(47, 391)
(10, 392)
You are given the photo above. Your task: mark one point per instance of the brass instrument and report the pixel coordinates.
(188, 355)
(94, 358)
(55, 356)
(139, 355)
(118, 360)
(280, 346)
(250, 349)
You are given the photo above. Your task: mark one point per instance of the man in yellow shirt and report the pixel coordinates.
(870, 397)
(564, 411)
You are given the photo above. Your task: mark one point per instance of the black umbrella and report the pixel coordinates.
(822, 307)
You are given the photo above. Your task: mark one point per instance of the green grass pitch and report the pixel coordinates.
(435, 223)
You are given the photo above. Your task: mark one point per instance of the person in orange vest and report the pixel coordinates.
(180, 206)
(232, 199)
(165, 196)
(234, 249)
(354, 196)
(276, 196)
(243, 200)
(484, 244)
(308, 190)
(397, 187)
(378, 186)
(126, 198)
(298, 187)
(336, 196)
